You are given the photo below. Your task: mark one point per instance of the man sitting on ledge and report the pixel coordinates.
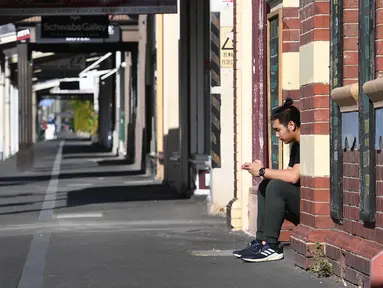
(279, 192)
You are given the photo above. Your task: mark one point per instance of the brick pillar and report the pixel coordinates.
(290, 76)
(314, 104)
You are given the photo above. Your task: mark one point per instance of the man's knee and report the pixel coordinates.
(275, 186)
(263, 185)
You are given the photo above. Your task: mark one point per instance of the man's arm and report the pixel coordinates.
(290, 175)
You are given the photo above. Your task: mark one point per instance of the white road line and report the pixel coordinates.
(51, 194)
(80, 185)
(212, 253)
(78, 215)
(34, 268)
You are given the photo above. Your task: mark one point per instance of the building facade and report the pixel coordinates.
(309, 51)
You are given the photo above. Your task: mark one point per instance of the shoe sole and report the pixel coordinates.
(273, 258)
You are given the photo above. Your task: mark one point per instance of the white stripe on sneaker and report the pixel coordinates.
(272, 257)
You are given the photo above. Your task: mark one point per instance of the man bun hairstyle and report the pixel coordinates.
(287, 112)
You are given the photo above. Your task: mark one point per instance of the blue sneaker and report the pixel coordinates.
(266, 253)
(254, 245)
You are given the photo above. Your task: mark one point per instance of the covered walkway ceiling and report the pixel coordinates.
(85, 7)
(10, 19)
(121, 19)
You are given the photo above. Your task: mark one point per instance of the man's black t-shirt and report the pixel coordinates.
(294, 155)
(295, 158)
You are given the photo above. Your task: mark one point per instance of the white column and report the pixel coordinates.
(141, 93)
(14, 120)
(58, 118)
(171, 99)
(116, 138)
(193, 77)
(201, 76)
(9, 131)
(127, 96)
(184, 95)
(2, 106)
(244, 112)
(222, 191)
(34, 115)
(160, 92)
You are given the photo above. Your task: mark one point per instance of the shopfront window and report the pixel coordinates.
(350, 131)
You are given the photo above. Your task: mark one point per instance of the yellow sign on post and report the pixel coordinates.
(227, 51)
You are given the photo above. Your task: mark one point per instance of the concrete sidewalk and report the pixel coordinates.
(97, 222)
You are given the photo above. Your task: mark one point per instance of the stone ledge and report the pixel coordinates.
(346, 97)
(308, 234)
(374, 91)
(356, 245)
(357, 258)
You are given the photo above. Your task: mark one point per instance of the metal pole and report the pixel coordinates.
(118, 99)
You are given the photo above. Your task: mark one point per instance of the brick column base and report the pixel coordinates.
(303, 241)
(353, 259)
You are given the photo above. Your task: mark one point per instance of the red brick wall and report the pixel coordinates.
(351, 221)
(352, 245)
(350, 42)
(350, 192)
(379, 38)
(291, 26)
(315, 21)
(315, 121)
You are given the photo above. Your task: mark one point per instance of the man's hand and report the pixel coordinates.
(253, 168)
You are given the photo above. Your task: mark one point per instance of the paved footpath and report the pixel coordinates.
(73, 217)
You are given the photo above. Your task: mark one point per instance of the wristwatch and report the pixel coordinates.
(261, 172)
